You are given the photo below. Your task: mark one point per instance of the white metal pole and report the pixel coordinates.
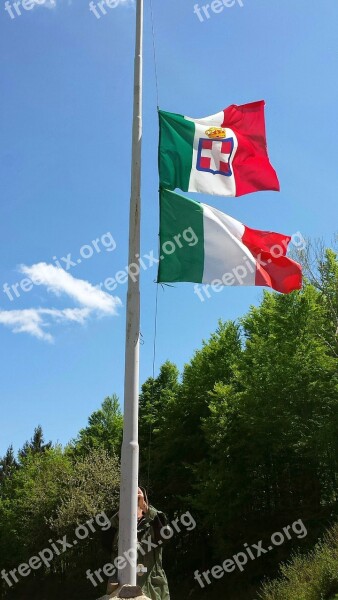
(130, 448)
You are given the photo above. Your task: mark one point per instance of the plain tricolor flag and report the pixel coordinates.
(224, 154)
(201, 244)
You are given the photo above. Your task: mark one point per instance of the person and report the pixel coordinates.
(150, 522)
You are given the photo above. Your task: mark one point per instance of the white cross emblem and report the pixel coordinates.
(214, 156)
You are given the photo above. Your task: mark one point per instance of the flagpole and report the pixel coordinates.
(130, 447)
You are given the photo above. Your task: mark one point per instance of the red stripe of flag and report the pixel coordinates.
(252, 168)
(274, 268)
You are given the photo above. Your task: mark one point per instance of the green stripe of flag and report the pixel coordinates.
(175, 150)
(181, 259)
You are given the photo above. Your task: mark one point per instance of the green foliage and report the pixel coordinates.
(8, 465)
(155, 400)
(172, 413)
(246, 439)
(157, 403)
(320, 268)
(46, 498)
(29, 498)
(250, 441)
(104, 429)
(272, 433)
(310, 577)
(89, 487)
(36, 445)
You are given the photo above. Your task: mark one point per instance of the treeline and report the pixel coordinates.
(310, 576)
(245, 438)
(45, 494)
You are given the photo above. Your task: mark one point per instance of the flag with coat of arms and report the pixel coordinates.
(224, 154)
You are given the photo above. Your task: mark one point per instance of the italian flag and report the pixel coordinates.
(201, 244)
(224, 154)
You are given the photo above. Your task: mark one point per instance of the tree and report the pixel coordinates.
(157, 405)
(8, 464)
(270, 434)
(320, 266)
(172, 413)
(45, 500)
(90, 490)
(37, 444)
(246, 439)
(104, 429)
(182, 442)
(30, 498)
(89, 487)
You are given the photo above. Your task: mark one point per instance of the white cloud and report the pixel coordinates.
(60, 282)
(45, 3)
(35, 321)
(32, 320)
(25, 321)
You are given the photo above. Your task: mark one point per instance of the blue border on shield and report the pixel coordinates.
(199, 153)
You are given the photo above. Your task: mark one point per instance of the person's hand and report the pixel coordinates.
(142, 506)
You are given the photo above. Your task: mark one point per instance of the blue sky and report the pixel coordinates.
(66, 107)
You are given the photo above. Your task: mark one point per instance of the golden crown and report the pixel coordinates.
(216, 133)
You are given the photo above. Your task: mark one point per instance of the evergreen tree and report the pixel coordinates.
(104, 429)
(37, 444)
(8, 464)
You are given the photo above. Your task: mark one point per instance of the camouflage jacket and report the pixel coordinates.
(153, 582)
